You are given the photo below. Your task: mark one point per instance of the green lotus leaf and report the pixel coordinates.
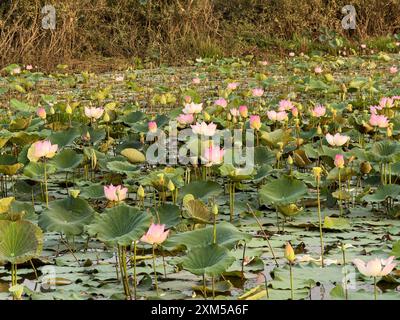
(385, 151)
(120, 225)
(67, 160)
(273, 138)
(64, 138)
(69, 216)
(35, 170)
(383, 192)
(168, 214)
(201, 189)
(94, 191)
(198, 211)
(227, 236)
(20, 241)
(211, 260)
(263, 156)
(336, 223)
(123, 167)
(282, 191)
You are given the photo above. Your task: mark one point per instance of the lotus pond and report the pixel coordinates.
(97, 204)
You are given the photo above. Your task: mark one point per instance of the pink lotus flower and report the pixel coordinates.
(192, 107)
(94, 113)
(41, 112)
(119, 78)
(41, 149)
(204, 129)
(196, 80)
(255, 122)
(339, 161)
(363, 46)
(291, 54)
(185, 118)
(152, 125)
(318, 111)
(235, 112)
(285, 105)
(385, 102)
(16, 70)
(318, 70)
(188, 99)
(337, 140)
(295, 112)
(393, 70)
(155, 234)
(115, 193)
(29, 67)
(257, 92)
(213, 155)
(264, 63)
(221, 102)
(233, 85)
(277, 116)
(376, 267)
(243, 111)
(379, 121)
(373, 109)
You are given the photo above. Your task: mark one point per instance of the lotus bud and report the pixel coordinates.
(74, 193)
(106, 117)
(215, 209)
(389, 132)
(87, 136)
(41, 112)
(344, 88)
(278, 155)
(299, 107)
(140, 192)
(319, 130)
(365, 167)
(161, 181)
(290, 160)
(334, 112)
(229, 117)
(206, 116)
(317, 172)
(52, 111)
(280, 145)
(289, 253)
(171, 186)
(297, 122)
(349, 107)
(142, 138)
(68, 109)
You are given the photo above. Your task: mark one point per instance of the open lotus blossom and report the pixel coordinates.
(156, 234)
(255, 122)
(115, 193)
(295, 112)
(119, 78)
(235, 112)
(257, 92)
(29, 67)
(277, 116)
(376, 267)
(16, 70)
(185, 118)
(375, 109)
(363, 46)
(243, 110)
(339, 161)
(318, 111)
(41, 149)
(318, 70)
(196, 80)
(337, 140)
(41, 112)
(233, 85)
(204, 129)
(386, 102)
(192, 107)
(291, 54)
(221, 102)
(213, 155)
(93, 112)
(285, 105)
(152, 125)
(393, 69)
(264, 63)
(380, 121)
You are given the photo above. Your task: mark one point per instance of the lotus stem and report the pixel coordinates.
(321, 239)
(375, 290)
(340, 196)
(134, 270)
(346, 292)
(155, 271)
(291, 281)
(204, 287)
(46, 194)
(243, 258)
(213, 286)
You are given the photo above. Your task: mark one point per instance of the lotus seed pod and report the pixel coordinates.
(319, 130)
(74, 193)
(290, 160)
(365, 167)
(106, 117)
(317, 171)
(215, 209)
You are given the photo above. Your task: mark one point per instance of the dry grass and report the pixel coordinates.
(172, 31)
